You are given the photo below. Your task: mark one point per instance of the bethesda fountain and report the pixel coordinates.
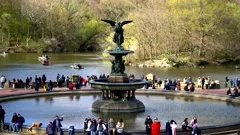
(118, 90)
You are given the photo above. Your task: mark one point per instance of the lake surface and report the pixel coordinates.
(75, 108)
(19, 66)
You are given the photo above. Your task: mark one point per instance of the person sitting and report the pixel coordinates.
(192, 88)
(229, 93)
(37, 125)
(45, 87)
(79, 66)
(111, 127)
(186, 88)
(50, 85)
(47, 62)
(77, 86)
(212, 84)
(71, 86)
(13, 124)
(20, 122)
(235, 91)
(185, 126)
(100, 127)
(120, 127)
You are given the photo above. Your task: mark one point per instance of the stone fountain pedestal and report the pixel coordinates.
(118, 91)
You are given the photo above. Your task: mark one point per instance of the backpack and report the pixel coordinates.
(100, 128)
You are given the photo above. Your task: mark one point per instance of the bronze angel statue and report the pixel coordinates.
(118, 35)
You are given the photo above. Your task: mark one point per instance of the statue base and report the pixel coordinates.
(118, 78)
(123, 106)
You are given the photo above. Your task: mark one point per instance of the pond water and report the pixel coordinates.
(75, 108)
(20, 66)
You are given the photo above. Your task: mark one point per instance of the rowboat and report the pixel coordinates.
(76, 66)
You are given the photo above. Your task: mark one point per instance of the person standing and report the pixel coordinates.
(148, 123)
(85, 126)
(168, 128)
(2, 117)
(50, 129)
(27, 83)
(174, 128)
(156, 126)
(203, 82)
(57, 124)
(3, 80)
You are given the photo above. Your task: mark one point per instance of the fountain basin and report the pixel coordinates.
(122, 52)
(104, 84)
(119, 96)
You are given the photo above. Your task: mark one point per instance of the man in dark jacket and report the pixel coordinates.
(57, 124)
(2, 117)
(20, 122)
(13, 124)
(148, 123)
(50, 129)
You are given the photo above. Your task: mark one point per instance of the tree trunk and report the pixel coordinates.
(200, 28)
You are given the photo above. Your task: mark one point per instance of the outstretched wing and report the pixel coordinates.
(126, 22)
(112, 23)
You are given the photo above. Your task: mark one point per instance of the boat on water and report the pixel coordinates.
(237, 67)
(3, 54)
(44, 59)
(76, 66)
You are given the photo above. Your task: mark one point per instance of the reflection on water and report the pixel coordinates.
(60, 63)
(76, 108)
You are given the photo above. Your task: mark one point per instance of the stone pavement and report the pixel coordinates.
(8, 92)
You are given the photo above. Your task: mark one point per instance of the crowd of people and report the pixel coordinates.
(92, 126)
(177, 84)
(99, 127)
(41, 82)
(153, 126)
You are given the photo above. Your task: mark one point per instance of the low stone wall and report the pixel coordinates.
(213, 130)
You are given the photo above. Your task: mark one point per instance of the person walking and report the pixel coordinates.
(2, 117)
(148, 123)
(156, 126)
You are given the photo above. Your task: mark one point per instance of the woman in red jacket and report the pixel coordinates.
(156, 126)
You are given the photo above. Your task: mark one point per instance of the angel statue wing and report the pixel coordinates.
(126, 22)
(112, 23)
